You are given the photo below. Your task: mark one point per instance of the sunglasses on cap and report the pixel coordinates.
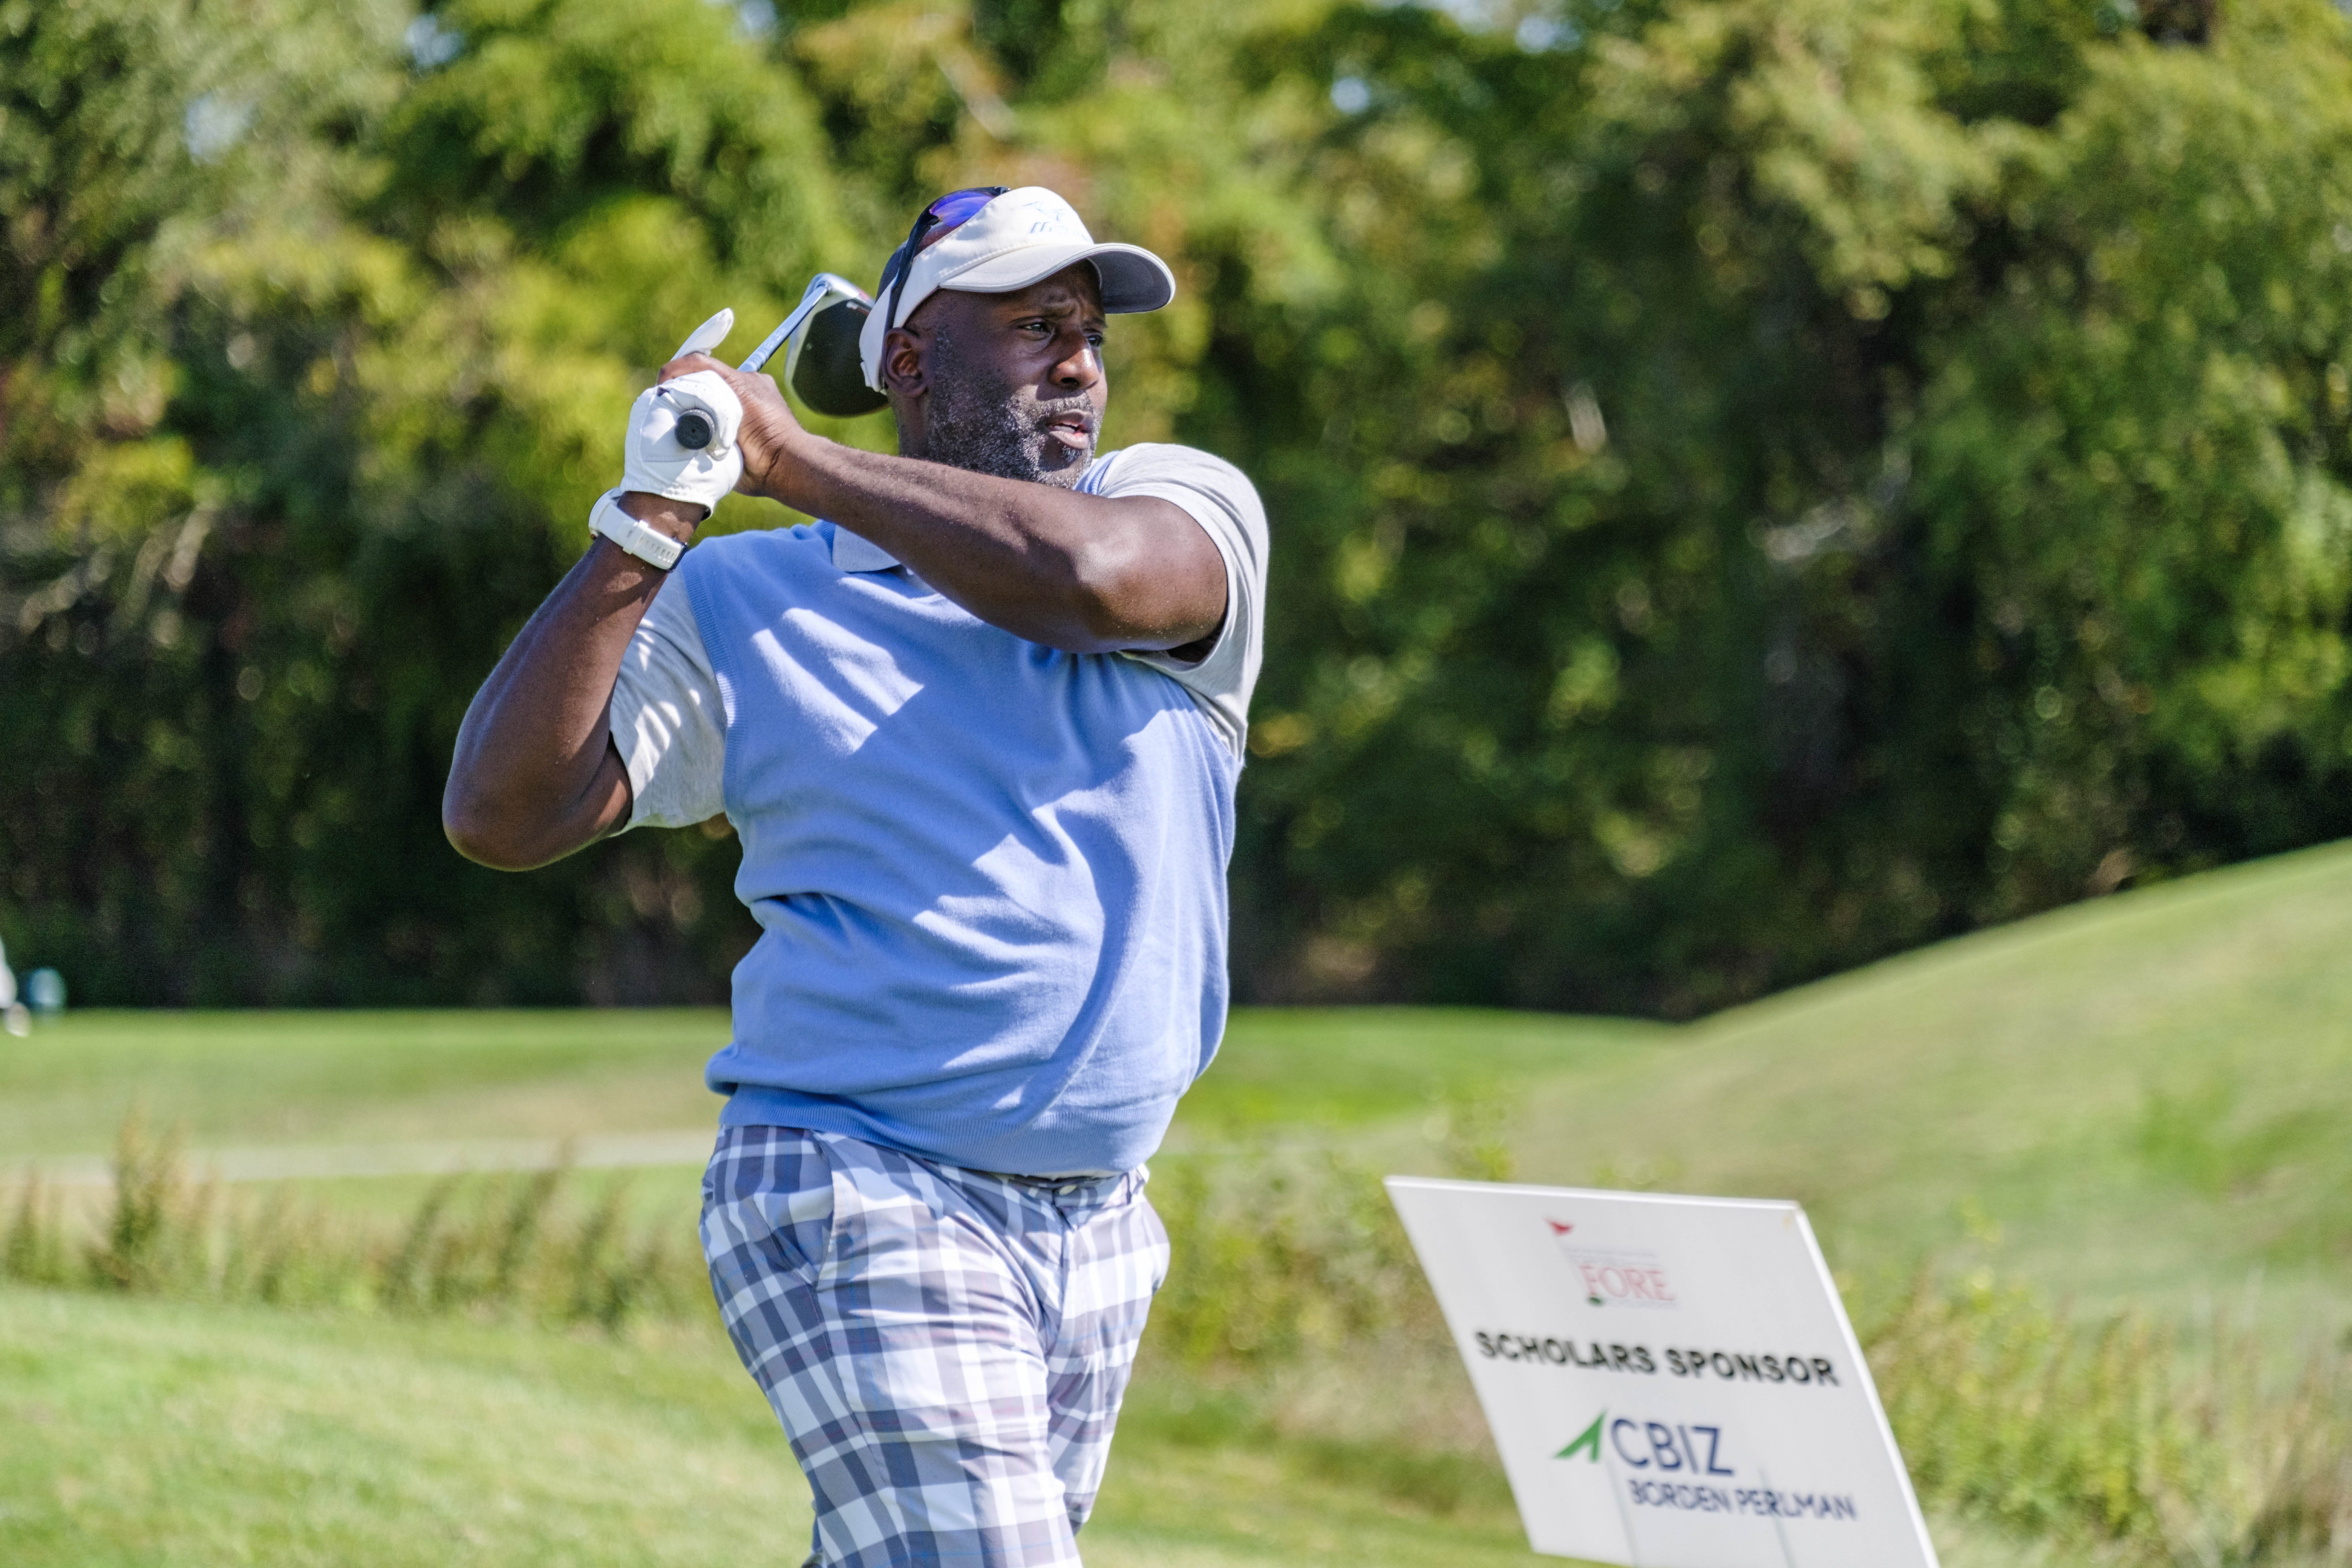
(933, 223)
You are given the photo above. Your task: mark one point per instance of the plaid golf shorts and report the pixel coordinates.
(946, 1348)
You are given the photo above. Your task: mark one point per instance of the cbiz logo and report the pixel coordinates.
(1674, 1466)
(1653, 1444)
(1615, 1279)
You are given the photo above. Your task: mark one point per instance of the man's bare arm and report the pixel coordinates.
(537, 774)
(1080, 573)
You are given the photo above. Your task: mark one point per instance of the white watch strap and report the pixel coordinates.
(650, 545)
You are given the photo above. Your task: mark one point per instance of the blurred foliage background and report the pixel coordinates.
(1756, 484)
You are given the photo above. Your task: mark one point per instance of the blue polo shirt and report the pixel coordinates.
(989, 875)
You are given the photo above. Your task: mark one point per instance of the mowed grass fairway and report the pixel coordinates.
(156, 1433)
(2136, 1103)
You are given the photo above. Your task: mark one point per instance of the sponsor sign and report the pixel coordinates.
(1671, 1380)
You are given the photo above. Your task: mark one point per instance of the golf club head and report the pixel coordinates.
(822, 363)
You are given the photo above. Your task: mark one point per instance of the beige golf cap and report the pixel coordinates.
(991, 240)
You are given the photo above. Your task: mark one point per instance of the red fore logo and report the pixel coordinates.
(1615, 1277)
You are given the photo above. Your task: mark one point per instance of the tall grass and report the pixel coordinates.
(1276, 1262)
(2172, 1446)
(497, 1246)
(1284, 1259)
(2169, 1445)
(1295, 1307)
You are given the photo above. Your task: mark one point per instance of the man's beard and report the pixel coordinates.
(977, 421)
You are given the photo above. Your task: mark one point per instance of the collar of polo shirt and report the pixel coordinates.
(856, 552)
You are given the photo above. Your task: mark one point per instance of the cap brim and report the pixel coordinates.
(1132, 278)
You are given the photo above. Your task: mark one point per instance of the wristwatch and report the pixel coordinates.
(650, 545)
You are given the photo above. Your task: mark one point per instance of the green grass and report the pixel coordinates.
(165, 1433)
(155, 1433)
(262, 1078)
(247, 1078)
(170, 1434)
(2144, 1099)
(2136, 1103)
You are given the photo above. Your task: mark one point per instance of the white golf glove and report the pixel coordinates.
(657, 461)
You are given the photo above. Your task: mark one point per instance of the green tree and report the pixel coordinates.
(1861, 463)
(1757, 484)
(383, 307)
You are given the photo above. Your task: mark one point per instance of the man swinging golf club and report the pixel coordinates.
(978, 734)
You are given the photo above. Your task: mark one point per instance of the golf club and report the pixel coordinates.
(821, 363)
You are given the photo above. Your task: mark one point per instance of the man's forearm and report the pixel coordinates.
(1082, 573)
(536, 775)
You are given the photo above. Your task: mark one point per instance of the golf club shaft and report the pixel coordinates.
(694, 431)
(784, 329)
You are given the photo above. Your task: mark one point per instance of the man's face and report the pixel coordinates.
(1015, 380)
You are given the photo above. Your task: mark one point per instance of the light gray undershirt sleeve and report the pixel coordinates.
(1224, 503)
(668, 717)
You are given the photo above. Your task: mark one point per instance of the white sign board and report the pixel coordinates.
(1672, 1382)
